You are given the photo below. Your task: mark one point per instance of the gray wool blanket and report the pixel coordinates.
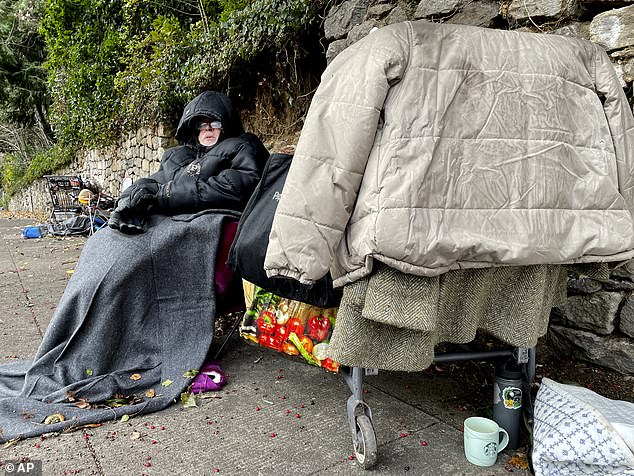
(136, 315)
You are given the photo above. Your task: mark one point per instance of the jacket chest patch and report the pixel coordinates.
(193, 168)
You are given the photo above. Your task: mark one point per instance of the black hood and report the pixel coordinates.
(210, 104)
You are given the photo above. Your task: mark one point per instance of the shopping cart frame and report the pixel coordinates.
(64, 190)
(359, 413)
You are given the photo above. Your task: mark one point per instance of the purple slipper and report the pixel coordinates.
(210, 378)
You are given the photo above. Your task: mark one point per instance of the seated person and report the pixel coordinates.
(136, 318)
(218, 166)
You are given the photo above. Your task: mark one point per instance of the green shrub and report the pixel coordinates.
(12, 171)
(48, 161)
(16, 174)
(84, 44)
(141, 64)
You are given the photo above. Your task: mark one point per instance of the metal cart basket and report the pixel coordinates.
(64, 190)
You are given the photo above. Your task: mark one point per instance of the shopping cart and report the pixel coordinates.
(64, 190)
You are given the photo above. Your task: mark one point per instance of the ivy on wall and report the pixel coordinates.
(115, 65)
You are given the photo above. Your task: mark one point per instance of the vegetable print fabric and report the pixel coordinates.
(298, 330)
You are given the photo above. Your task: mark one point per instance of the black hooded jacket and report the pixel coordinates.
(222, 176)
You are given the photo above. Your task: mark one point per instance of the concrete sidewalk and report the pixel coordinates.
(274, 416)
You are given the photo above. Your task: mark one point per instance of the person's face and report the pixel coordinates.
(208, 132)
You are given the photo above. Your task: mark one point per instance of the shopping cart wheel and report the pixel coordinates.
(365, 447)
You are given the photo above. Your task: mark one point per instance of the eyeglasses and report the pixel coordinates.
(208, 125)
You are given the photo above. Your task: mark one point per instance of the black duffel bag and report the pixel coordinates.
(247, 253)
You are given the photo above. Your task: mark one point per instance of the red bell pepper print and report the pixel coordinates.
(318, 328)
(281, 333)
(294, 325)
(266, 323)
(270, 341)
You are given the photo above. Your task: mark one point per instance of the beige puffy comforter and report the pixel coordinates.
(435, 147)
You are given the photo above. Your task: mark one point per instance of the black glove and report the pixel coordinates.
(144, 194)
(127, 219)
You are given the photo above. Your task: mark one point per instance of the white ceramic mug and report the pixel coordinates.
(482, 440)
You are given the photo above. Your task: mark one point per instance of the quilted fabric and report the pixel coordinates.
(436, 147)
(575, 433)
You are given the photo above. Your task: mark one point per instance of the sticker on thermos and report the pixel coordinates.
(512, 397)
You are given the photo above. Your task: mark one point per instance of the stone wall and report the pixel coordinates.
(597, 324)
(136, 155)
(599, 21)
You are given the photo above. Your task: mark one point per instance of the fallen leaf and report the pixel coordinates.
(10, 443)
(70, 271)
(83, 404)
(125, 418)
(90, 425)
(167, 383)
(205, 396)
(519, 460)
(116, 402)
(89, 372)
(190, 373)
(54, 418)
(73, 429)
(150, 393)
(70, 396)
(188, 399)
(135, 377)
(133, 399)
(135, 435)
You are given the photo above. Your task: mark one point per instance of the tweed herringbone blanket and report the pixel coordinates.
(392, 321)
